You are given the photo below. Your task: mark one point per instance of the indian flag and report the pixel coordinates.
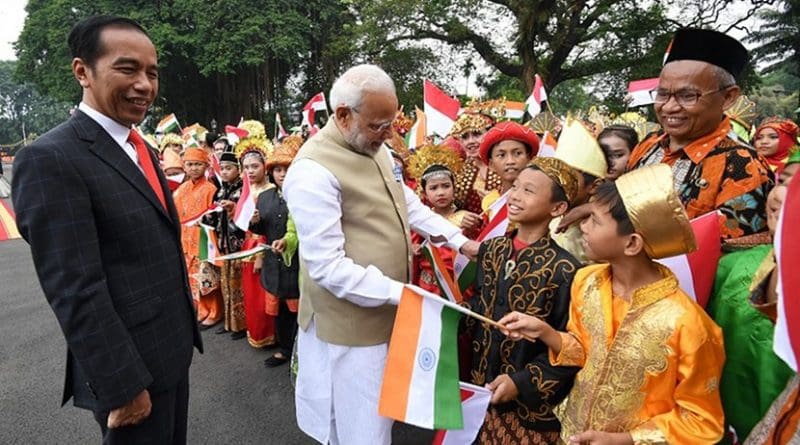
(547, 148)
(515, 110)
(446, 284)
(420, 380)
(208, 245)
(196, 219)
(168, 125)
(416, 136)
(787, 238)
(245, 207)
(464, 269)
(189, 141)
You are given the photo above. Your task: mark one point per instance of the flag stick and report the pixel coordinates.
(459, 308)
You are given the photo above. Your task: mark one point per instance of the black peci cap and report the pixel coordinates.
(708, 46)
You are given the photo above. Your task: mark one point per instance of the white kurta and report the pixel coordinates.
(338, 386)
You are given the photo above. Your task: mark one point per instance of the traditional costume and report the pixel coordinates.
(715, 171)
(193, 198)
(787, 139)
(229, 240)
(260, 325)
(353, 220)
(579, 149)
(505, 131)
(534, 279)
(651, 366)
(432, 162)
(279, 272)
(475, 179)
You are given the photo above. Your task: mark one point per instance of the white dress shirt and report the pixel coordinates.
(313, 196)
(118, 132)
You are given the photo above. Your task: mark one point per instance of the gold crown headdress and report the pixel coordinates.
(255, 142)
(429, 155)
(170, 139)
(656, 212)
(402, 123)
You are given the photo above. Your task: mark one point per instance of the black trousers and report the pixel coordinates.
(165, 425)
(286, 328)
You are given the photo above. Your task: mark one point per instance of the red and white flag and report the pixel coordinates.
(787, 240)
(235, 134)
(281, 132)
(696, 271)
(639, 91)
(474, 403)
(465, 270)
(440, 109)
(245, 207)
(547, 147)
(316, 103)
(214, 169)
(538, 95)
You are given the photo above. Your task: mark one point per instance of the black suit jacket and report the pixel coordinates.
(108, 256)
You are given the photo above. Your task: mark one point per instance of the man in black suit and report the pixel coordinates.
(105, 238)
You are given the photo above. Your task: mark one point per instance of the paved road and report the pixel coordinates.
(234, 399)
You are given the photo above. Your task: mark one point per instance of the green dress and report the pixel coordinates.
(753, 375)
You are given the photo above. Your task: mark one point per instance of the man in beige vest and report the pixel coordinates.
(353, 221)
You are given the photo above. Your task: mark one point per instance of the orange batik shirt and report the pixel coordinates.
(651, 367)
(715, 172)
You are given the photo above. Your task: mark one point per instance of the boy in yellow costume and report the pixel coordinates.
(651, 357)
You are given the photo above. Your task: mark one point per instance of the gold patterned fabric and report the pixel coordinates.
(471, 188)
(562, 174)
(655, 376)
(505, 429)
(534, 280)
(233, 296)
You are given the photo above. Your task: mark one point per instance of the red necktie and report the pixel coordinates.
(142, 152)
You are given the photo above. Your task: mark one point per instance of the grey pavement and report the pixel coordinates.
(234, 398)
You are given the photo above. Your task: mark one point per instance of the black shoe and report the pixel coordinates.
(238, 335)
(275, 361)
(221, 330)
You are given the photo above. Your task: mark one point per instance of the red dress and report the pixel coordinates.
(260, 325)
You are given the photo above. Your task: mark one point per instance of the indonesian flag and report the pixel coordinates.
(196, 218)
(463, 268)
(416, 135)
(441, 110)
(639, 92)
(547, 147)
(214, 170)
(175, 181)
(235, 134)
(281, 132)
(245, 207)
(443, 279)
(316, 103)
(515, 110)
(208, 245)
(474, 403)
(787, 241)
(8, 224)
(420, 380)
(168, 125)
(696, 271)
(538, 95)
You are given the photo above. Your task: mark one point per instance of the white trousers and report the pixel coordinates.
(337, 391)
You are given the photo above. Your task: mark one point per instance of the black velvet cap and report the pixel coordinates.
(228, 157)
(708, 46)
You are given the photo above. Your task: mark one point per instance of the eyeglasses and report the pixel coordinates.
(375, 128)
(684, 97)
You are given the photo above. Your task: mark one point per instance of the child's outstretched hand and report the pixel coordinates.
(600, 438)
(518, 326)
(503, 389)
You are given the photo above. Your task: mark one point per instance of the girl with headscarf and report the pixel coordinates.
(773, 140)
